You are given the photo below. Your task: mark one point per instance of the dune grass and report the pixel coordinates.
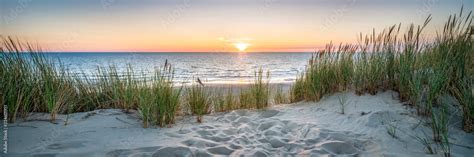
(219, 102)
(439, 123)
(167, 96)
(36, 83)
(199, 101)
(280, 96)
(245, 100)
(260, 89)
(230, 100)
(17, 83)
(258, 94)
(426, 142)
(158, 101)
(57, 91)
(224, 101)
(417, 90)
(154, 96)
(146, 106)
(297, 89)
(328, 71)
(120, 90)
(255, 96)
(464, 93)
(32, 82)
(420, 69)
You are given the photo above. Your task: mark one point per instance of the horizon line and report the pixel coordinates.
(172, 52)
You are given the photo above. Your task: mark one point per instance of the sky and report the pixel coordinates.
(210, 25)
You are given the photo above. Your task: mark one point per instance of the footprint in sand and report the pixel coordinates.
(339, 148)
(250, 133)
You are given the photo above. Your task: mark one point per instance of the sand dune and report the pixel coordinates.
(301, 129)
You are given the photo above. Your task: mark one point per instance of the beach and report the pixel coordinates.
(298, 129)
(228, 79)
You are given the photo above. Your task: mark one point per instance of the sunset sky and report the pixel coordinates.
(210, 25)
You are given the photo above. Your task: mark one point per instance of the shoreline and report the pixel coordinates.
(236, 87)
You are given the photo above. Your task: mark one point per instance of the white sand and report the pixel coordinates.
(302, 129)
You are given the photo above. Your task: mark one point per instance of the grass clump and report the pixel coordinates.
(426, 142)
(258, 94)
(439, 123)
(464, 93)
(328, 71)
(57, 91)
(167, 97)
(230, 101)
(154, 96)
(224, 101)
(17, 86)
(32, 82)
(255, 96)
(120, 90)
(420, 70)
(199, 101)
(259, 90)
(219, 102)
(297, 90)
(146, 106)
(417, 90)
(280, 97)
(245, 99)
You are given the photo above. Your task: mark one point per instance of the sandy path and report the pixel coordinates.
(302, 129)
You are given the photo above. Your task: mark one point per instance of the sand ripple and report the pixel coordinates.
(256, 133)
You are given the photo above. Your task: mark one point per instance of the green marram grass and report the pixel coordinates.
(420, 69)
(224, 100)
(32, 82)
(199, 101)
(257, 95)
(280, 97)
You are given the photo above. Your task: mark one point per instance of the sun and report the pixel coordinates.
(241, 46)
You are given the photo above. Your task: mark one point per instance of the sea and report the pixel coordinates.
(211, 68)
